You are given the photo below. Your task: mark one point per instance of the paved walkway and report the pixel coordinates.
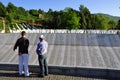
(12, 75)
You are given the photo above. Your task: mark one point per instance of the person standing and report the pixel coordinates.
(22, 43)
(41, 51)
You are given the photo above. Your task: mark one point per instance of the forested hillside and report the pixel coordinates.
(63, 19)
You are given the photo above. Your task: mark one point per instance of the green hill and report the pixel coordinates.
(111, 16)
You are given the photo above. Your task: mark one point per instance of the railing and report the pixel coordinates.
(68, 31)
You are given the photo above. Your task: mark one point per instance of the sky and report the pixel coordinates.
(111, 7)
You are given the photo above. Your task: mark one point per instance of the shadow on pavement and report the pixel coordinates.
(11, 70)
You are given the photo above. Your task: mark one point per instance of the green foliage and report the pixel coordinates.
(2, 10)
(48, 19)
(7, 29)
(71, 20)
(64, 19)
(85, 18)
(11, 8)
(1, 26)
(34, 12)
(112, 24)
(103, 22)
(118, 25)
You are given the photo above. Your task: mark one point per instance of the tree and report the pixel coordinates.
(101, 22)
(118, 25)
(34, 12)
(64, 19)
(21, 11)
(69, 19)
(48, 18)
(11, 8)
(2, 10)
(85, 18)
(112, 24)
(41, 11)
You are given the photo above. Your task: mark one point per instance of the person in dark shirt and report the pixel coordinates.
(22, 43)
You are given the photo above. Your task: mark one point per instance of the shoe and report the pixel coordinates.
(46, 74)
(28, 74)
(23, 72)
(41, 76)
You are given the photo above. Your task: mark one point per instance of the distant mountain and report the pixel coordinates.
(110, 16)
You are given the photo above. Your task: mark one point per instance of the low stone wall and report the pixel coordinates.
(71, 71)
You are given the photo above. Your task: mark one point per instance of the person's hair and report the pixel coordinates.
(41, 39)
(23, 33)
